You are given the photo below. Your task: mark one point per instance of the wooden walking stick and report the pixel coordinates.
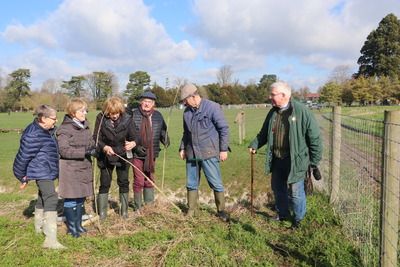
(252, 186)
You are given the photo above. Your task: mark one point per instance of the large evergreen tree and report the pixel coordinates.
(264, 87)
(75, 86)
(100, 84)
(381, 51)
(18, 87)
(135, 86)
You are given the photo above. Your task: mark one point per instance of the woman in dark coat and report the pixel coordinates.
(37, 160)
(76, 146)
(115, 134)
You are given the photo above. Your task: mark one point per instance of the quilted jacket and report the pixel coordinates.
(37, 157)
(159, 129)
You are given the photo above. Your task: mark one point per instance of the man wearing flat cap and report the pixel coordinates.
(205, 143)
(152, 130)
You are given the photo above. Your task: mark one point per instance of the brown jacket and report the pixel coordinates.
(76, 173)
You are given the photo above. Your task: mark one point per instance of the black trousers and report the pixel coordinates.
(122, 178)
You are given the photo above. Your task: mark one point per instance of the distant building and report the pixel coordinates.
(313, 97)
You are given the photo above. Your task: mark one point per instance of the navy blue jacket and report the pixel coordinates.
(205, 131)
(37, 157)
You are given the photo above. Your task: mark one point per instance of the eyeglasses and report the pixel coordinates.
(186, 99)
(272, 95)
(148, 101)
(54, 119)
(83, 110)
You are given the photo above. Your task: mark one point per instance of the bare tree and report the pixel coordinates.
(250, 82)
(303, 92)
(114, 82)
(340, 74)
(180, 81)
(224, 75)
(2, 79)
(52, 85)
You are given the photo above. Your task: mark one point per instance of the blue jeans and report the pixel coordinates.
(73, 202)
(211, 171)
(285, 194)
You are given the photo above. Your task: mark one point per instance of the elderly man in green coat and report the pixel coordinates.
(294, 142)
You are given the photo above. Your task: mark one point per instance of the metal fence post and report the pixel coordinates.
(390, 190)
(335, 160)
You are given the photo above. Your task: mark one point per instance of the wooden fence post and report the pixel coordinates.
(240, 119)
(336, 144)
(390, 190)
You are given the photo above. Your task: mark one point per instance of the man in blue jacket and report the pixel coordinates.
(205, 143)
(294, 142)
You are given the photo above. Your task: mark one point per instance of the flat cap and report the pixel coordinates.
(188, 90)
(148, 94)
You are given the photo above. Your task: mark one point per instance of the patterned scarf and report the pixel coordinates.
(146, 135)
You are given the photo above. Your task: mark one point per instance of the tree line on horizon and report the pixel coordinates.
(376, 82)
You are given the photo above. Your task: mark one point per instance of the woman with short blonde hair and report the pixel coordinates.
(76, 146)
(74, 105)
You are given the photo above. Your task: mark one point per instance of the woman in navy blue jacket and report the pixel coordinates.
(37, 159)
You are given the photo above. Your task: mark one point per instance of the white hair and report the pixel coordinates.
(282, 87)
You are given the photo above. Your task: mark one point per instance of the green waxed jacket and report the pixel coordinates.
(304, 137)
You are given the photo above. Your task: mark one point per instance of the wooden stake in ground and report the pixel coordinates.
(252, 186)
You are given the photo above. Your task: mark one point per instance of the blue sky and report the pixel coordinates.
(301, 41)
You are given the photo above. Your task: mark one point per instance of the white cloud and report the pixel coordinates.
(335, 29)
(38, 34)
(94, 35)
(298, 40)
(44, 66)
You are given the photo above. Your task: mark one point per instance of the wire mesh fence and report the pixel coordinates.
(357, 164)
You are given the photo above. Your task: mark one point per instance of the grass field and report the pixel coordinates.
(160, 235)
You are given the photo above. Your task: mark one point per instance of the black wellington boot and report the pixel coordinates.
(70, 215)
(79, 213)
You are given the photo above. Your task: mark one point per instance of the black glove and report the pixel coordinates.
(165, 138)
(140, 151)
(93, 151)
(316, 173)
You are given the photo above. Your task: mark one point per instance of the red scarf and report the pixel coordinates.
(146, 135)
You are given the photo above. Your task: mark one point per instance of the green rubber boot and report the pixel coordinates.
(102, 205)
(192, 202)
(220, 203)
(148, 195)
(123, 198)
(137, 198)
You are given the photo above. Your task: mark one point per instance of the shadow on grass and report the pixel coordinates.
(29, 211)
(285, 251)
